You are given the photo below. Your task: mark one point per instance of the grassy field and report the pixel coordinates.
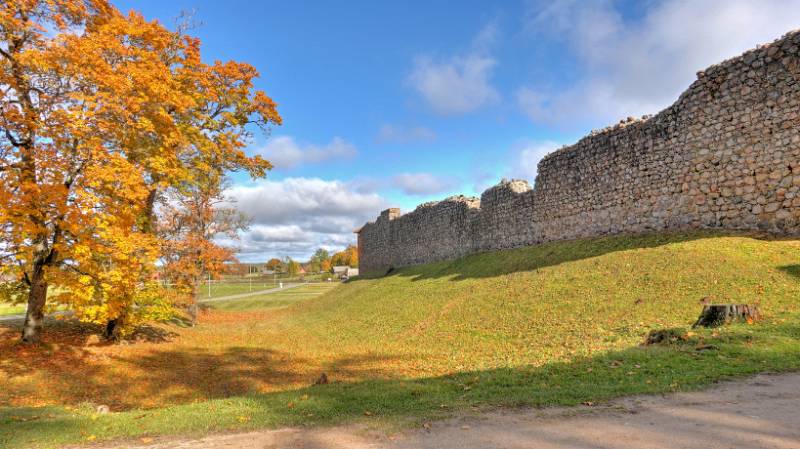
(10, 309)
(218, 289)
(273, 300)
(556, 324)
(227, 287)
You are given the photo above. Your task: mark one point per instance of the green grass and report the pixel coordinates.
(11, 309)
(556, 324)
(229, 287)
(273, 300)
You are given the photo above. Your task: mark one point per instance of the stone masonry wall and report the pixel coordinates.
(725, 155)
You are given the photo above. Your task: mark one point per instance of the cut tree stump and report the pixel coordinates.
(714, 315)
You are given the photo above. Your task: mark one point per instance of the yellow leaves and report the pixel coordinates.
(132, 112)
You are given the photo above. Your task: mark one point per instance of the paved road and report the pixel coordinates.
(760, 412)
(221, 298)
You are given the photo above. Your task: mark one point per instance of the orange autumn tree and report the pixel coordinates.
(102, 114)
(207, 113)
(190, 221)
(274, 264)
(325, 265)
(347, 257)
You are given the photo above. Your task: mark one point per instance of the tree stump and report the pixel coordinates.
(714, 315)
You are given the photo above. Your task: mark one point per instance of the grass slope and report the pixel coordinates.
(555, 324)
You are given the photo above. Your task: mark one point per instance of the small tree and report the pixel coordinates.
(347, 257)
(274, 264)
(190, 221)
(292, 267)
(325, 266)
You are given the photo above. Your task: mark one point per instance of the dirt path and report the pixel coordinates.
(761, 412)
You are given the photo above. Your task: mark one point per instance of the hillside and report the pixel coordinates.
(561, 323)
(553, 302)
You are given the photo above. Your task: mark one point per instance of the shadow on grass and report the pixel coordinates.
(676, 366)
(793, 269)
(495, 263)
(77, 368)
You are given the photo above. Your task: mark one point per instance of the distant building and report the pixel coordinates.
(344, 270)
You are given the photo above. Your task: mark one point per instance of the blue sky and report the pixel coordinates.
(398, 103)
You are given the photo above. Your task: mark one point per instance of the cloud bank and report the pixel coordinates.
(636, 68)
(295, 216)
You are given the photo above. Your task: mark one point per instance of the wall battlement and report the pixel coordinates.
(725, 155)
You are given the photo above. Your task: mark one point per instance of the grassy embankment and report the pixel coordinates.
(556, 324)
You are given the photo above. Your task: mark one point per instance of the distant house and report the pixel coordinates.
(344, 270)
(267, 271)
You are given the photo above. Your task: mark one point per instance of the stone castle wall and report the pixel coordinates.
(725, 155)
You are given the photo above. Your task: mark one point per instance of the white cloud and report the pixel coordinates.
(423, 183)
(295, 216)
(457, 84)
(284, 152)
(527, 156)
(389, 133)
(641, 67)
(277, 233)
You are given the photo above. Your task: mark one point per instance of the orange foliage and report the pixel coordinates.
(103, 113)
(348, 257)
(326, 265)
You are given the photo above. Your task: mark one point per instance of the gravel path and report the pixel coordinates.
(762, 412)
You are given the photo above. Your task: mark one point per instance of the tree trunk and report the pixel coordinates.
(114, 328)
(34, 317)
(718, 314)
(191, 310)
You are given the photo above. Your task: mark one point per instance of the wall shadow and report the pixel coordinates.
(529, 258)
(676, 366)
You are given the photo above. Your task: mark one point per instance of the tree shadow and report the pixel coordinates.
(74, 367)
(793, 269)
(73, 333)
(530, 258)
(677, 366)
